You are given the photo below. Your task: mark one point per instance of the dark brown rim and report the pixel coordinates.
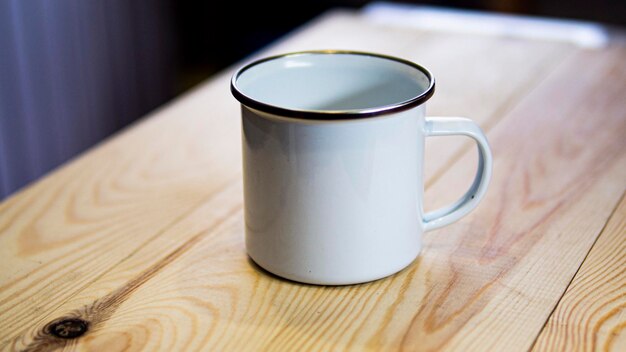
(332, 114)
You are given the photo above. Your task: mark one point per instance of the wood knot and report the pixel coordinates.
(68, 328)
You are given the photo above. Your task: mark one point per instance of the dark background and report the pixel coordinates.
(204, 45)
(72, 72)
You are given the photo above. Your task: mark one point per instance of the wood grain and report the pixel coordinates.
(150, 253)
(591, 316)
(559, 173)
(71, 227)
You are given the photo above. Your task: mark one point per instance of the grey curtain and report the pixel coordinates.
(71, 73)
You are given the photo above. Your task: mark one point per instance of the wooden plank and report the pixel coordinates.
(591, 316)
(68, 229)
(62, 234)
(559, 171)
(486, 283)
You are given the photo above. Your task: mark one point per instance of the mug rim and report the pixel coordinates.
(303, 114)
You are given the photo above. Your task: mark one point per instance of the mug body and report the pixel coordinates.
(333, 202)
(333, 147)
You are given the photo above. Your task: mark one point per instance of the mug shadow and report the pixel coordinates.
(256, 267)
(264, 273)
(309, 307)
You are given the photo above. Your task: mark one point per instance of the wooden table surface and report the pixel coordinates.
(138, 243)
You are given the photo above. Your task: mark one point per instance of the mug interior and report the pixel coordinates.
(332, 82)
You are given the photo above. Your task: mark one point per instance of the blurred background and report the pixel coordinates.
(72, 72)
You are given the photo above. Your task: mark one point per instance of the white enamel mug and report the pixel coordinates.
(333, 154)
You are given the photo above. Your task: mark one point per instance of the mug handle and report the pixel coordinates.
(453, 126)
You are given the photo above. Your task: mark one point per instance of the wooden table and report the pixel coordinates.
(138, 243)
